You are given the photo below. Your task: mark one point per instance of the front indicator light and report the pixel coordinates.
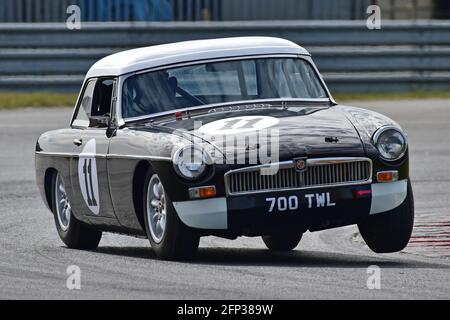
(202, 192)
(387, 176)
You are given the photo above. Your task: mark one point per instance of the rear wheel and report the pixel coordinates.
(282, 241)
(169, 237)
(390, 231)
(74, 233)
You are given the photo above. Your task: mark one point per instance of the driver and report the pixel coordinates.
(150, 93)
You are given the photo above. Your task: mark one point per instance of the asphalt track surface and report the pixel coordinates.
(326, 265)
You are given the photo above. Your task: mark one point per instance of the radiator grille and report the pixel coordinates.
(319, 172)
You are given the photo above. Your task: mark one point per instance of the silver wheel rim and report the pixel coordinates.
(63, 208)
(156, 209)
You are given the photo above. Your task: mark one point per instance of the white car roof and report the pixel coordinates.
(166, 54)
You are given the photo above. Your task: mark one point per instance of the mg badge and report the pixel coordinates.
(300, 164)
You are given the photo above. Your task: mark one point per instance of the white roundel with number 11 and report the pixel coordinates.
(87, 175)
(238, 125)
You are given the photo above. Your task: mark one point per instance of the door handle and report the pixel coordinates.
(77, 142)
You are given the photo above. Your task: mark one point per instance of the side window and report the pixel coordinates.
(84, 111)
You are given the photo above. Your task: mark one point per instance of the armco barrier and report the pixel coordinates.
(308, 33)
(404, 55)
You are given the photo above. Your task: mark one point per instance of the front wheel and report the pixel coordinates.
(282, 241)
(74, 233)
(169, 237)
(390, 231)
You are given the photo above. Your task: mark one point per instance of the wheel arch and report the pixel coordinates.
(48, 180)
(138, 189)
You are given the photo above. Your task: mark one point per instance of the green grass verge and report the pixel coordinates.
(10, 100)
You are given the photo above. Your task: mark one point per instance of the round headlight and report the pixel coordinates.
(190, 162)
(391, 143)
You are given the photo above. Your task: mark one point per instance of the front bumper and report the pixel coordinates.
(311, 209)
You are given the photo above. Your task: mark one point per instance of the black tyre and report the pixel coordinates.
(283, 241)
(169, 237)
(390, 231)
(74, 233)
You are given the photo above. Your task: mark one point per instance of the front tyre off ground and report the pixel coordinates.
(390, 231)
(169, 237)
(74, 233)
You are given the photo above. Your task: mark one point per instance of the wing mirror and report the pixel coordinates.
(100, 121)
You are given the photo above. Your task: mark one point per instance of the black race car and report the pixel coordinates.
(227, 137)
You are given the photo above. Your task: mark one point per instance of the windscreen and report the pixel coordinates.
(219, 82)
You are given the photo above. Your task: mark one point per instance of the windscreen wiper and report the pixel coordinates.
(187, 95)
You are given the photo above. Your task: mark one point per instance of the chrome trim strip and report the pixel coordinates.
(120, 122)
(78, 101)
(119, 156)
(291, 164)
(324, 85)
(55, 154)
(268, 167)
(103, 156)
(66, 154)
(382, 129)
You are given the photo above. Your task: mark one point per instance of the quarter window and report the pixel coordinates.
(102, 98)
(96, 101)
(84, 111)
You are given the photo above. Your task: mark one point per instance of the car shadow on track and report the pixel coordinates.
(261, 257)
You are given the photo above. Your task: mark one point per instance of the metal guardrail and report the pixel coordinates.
(307, 33)
(335, 60)
(199, 10)
(402, 56)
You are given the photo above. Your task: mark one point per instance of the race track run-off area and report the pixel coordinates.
(326, 265)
